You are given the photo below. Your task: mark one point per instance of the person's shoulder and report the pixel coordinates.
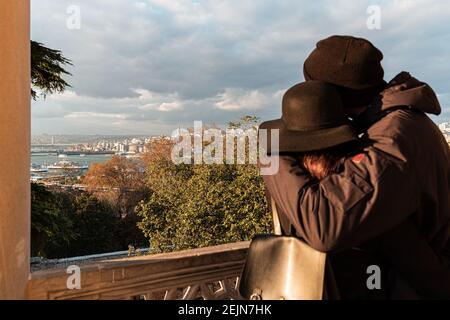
(405, 130)
(371, 162)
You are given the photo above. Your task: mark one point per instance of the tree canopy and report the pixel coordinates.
(193, 206)
(51, 226)
(175, 206)
(47, 70)
(119, 181)
(67, 223)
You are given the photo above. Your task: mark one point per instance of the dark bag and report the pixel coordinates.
(282, 267)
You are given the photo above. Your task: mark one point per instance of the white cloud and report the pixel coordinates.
(160, 63)
(235, 99)
(91, 115)
(140, 5)
(171, 106)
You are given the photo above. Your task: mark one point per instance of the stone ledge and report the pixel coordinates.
(126, 278)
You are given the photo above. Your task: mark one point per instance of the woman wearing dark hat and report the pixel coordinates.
(314, 127)
(315, 131)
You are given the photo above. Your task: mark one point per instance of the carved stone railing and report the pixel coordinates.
(206, 273)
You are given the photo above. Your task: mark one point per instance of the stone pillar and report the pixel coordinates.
(14, 148)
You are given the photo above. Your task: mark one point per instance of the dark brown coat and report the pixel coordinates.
(394, 193)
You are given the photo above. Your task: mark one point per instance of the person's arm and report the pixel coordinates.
(374, 193)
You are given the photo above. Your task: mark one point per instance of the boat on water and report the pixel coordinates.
(35, 178)
(36, 168)
(67, 165)
(61, 155)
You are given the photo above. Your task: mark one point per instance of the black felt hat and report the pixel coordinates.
(312, 119)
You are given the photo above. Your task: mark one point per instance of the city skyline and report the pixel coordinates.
(149, 66)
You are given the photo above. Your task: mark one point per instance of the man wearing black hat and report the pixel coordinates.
(391, 197)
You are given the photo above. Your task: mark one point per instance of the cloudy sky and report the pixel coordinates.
(149, 66)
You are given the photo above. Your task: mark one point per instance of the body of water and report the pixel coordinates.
(48, 159)
(86, 160)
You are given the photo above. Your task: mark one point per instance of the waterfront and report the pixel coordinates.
(47, 159)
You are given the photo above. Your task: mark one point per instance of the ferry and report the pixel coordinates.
(36, 168)
(67, 165)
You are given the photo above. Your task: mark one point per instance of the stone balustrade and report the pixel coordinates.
(206, 273)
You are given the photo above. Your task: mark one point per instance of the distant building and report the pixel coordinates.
(133, 148)
(123, 147)
(445, 127)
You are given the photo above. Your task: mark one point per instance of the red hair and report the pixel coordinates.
(322, 163)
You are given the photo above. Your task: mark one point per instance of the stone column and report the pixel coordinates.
(14, 148)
